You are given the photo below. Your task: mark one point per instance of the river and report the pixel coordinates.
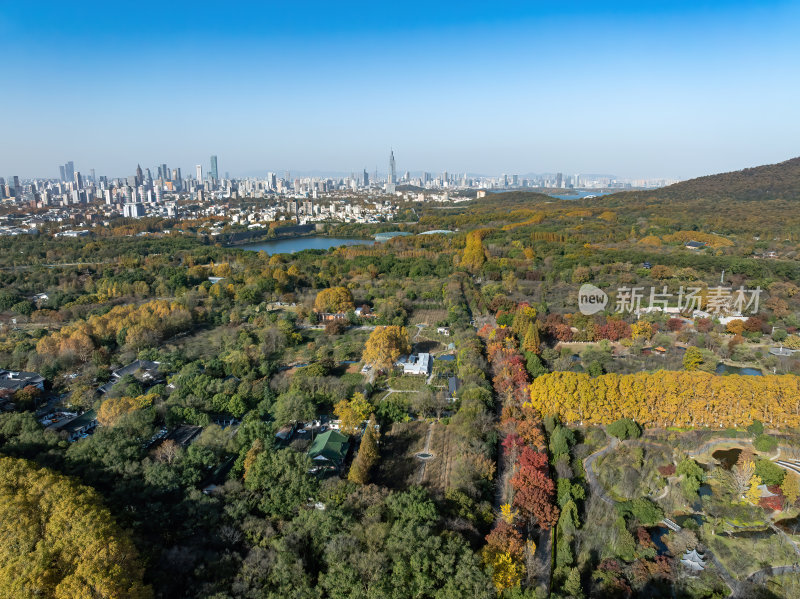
(290, 245)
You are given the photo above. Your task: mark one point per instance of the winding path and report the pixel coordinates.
(591, 477)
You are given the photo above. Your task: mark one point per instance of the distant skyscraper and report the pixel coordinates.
(214, 173)
(392, 169)
(69, 171)
(78, 181)
(366, 178)
(91, 173)
(559, 179)
(62, 171)
(199, 169)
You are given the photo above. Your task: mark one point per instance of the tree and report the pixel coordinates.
(692, 358)
(167, 451)
(753, 494)
(530, 343)
(535, 490)
(59, 540)
(385, 346)
(765, 443)
(474, 254)
(282, 480)
(352, 413)
(293, 406)
(756, 428)
(368, 456)
(641, 330)
(334, 300)
(735, 327)
(769, 472)
(624, 428)
(112, 410)
(791, 488)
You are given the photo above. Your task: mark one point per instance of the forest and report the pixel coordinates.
(179, 418)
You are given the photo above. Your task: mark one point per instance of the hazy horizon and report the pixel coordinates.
(668, 90)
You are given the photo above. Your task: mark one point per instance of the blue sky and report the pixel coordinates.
(638, 89)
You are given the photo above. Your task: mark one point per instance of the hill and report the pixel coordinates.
(779, 181)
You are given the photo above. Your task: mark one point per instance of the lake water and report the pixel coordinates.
(723, 368)
(298, 244)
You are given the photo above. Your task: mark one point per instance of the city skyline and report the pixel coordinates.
(673, 90)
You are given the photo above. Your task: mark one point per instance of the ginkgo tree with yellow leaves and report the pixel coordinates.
(669, 398)
(60, 541)
(385, 346)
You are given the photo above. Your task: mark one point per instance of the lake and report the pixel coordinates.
(723, 368)
(291, 245)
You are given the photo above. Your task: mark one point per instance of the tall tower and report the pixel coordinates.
(392, 169)
(213, 172)
(199, 169)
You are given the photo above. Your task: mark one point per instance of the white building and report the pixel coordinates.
(416, 364)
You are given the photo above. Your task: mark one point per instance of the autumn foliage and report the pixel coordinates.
(59, 540)
(134, 325)
(335, 299)
(669, 398)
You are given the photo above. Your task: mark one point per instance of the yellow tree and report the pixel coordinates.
(790, 488)
(385, 346)
(507, 513)
(335, 299)
(474, 253)
(59, 540)
(368, 456)
(111, 410)
(753, 494)
(642, 330)
(352, 413)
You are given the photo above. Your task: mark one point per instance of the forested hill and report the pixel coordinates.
(779, 181)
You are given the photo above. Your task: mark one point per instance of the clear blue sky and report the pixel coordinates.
(647, 88)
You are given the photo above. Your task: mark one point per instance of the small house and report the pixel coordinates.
(14, 380)
(443, 331)
(420, 364)
(695, 245)
(329, 450)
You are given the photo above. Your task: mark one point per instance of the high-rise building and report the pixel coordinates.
(69, 171)
(139, 175)
(214, 173)
(78, 180)
(199, 169)
(63, 172)
(559, 179)
(366, 178)
(392, 168)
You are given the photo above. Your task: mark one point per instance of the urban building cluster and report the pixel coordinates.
(162, 191)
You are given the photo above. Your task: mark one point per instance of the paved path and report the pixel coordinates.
(591, 477)
(772, 571)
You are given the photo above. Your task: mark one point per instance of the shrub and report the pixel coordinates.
(765, 443)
